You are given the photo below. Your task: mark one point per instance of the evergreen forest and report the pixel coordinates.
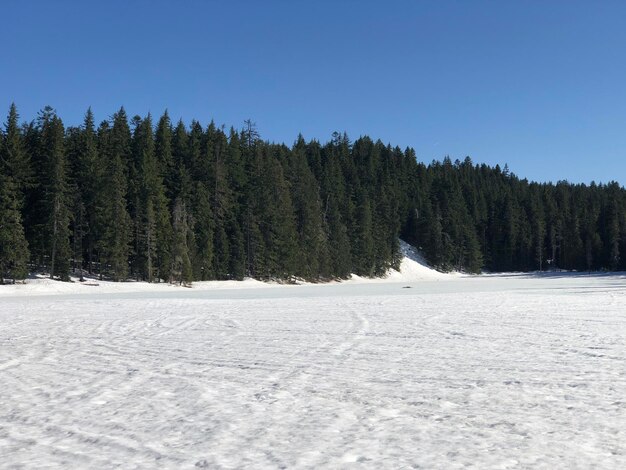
(148, 199)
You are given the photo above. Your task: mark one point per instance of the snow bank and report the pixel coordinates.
(413, 268)
(41, 285)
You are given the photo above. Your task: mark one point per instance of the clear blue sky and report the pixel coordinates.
(540, 85)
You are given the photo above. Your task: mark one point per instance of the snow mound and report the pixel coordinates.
(414, 267)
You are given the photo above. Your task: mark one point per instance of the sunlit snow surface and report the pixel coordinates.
(486, 372)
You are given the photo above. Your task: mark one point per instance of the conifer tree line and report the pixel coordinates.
(154, 200)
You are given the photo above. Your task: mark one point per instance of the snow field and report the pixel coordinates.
(479, 372)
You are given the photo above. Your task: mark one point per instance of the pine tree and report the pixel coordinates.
(313, 250)
(55, 195)
(613, 231)
(164, 157)
(203, 234)
(434, 245)
(152, 220)
(114, 220)
(338, 241)
(15, 160)
(591, 237)
(363, 245)
(142, 212)
(275, 258)
(222, 200)
(181, 271)
(13, 245)
(333, 193)
(238, 184)
(87, 179)
(14, 172)
(539, 227)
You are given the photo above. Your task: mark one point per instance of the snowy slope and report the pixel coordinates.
(414, 267)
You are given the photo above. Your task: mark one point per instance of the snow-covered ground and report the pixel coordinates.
(422, 370)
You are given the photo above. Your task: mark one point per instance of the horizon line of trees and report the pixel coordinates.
(134, 199)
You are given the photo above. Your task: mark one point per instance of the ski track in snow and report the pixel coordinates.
(480, 372)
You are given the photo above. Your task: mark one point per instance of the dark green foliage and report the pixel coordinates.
(363, 240)
(182, 204)
(14, 178)
(56, 197)
(153, 231)
(312, 249)
(15, 161)
(202, 221)
(88, 174)
(272, 231)
(13, 246)
(164, 157)
(181, 272)
(114, 222)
